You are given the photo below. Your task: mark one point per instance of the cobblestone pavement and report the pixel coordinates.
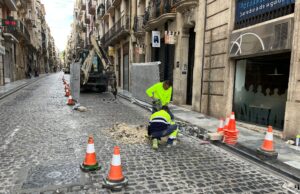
(42, 143)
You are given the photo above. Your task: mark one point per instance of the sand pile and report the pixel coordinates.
(129, 134)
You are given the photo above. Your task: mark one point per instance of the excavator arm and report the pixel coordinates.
(86, 67)
(108, 67)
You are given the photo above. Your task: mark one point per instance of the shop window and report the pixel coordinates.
(260, 93)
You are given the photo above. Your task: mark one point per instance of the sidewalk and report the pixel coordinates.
(11, 87)
(288, 161)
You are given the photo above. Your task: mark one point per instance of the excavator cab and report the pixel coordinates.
(97, 71)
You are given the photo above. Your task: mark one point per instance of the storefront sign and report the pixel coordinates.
(156, 39)
(141, 50)
(251, 8)
(171, 37)
(262, 40)
(111, 51)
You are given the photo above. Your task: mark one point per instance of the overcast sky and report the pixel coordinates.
(59, 16)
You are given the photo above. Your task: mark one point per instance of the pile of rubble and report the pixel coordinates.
(191, 130)
(129, 134)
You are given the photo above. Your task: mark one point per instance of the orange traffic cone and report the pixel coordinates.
(115, 179)
(70, 101)
(267, 148)
(230, 131)
(226, 124)
(66, 87)
(221, 126)
(90, 162)
(268, 141)
(67, 93)
(232, 124)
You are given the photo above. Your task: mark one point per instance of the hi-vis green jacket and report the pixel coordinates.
(160, 93)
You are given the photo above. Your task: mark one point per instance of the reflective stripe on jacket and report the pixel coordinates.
(159, 121)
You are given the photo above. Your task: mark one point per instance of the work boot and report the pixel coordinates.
(170, 142)
(155, 144)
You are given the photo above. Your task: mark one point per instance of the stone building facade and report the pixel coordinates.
(225, 55)
(24, 40)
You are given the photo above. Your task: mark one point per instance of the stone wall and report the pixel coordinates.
(292, 112)
(217, 70)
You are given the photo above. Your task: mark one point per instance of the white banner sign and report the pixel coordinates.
(155, 38)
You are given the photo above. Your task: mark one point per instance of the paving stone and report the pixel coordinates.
(39, 130)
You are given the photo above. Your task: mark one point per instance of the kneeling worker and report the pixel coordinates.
(161, 125)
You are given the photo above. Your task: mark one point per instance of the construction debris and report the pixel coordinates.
(129, 134)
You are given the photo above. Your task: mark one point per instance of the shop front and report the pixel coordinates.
(262, 56)
(260, 91)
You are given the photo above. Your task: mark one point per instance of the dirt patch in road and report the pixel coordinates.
(129, 134)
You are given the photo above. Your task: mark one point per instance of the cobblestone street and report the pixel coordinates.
(43, 141)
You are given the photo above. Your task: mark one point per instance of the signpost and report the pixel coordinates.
(75, 80)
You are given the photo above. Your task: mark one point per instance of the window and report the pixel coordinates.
(261, 85)
(250, 12)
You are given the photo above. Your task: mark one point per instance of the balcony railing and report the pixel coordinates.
(138, 24)
(108, 4)
(82, 5)
(87, 19)
(174, 2)
(119, 29)
(11, 4)
(116, 2)
(20, 31)
(156, 9)
(92, 7)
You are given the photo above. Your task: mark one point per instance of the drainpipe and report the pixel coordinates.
(203, 53)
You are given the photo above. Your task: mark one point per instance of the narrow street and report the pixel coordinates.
(43, 141)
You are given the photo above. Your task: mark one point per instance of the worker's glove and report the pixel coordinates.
(156, 102)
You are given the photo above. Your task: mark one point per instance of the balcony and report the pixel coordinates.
(92, 7)
(182, 5)
(116, 2)
(20, 31)
(100, 11)
(120, 30)
(21, 4)
(28, 18)
(158, 14)
(109, 7)
(138, 26)
(11, 4)
(81, 27)
(82, 5)
(87, 19)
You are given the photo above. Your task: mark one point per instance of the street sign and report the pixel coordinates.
(156, 39)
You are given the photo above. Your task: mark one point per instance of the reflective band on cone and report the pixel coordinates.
(90, 149)
(269, 136)
(116, 161)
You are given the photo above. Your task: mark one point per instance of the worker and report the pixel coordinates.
(161, 93)
(161, 125)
